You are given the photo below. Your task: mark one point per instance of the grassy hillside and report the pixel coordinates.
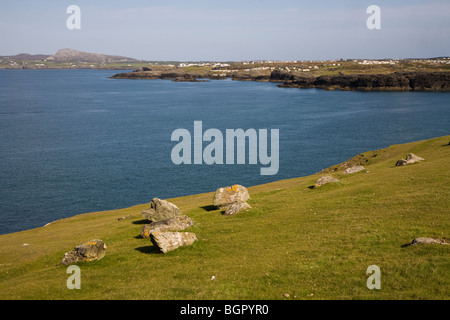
(308, 243)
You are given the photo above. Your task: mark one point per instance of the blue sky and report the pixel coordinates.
(229, 30)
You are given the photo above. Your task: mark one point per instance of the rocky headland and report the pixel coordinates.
(396, 81)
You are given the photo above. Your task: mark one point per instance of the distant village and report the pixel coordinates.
(298, 65)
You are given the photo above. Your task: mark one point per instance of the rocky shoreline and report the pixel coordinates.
(398, 81)
(408, 81)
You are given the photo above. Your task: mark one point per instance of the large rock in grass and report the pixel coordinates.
(174, 224)
(324, 180)
(410, 158)
(235, 208)
(89, 251)
(228, 195)
(161, 210)
(169, 241)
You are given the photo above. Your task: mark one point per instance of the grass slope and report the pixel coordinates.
(309, 243)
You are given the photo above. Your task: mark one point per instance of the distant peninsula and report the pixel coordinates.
(363, 75)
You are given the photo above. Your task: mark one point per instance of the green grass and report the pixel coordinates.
(309, 243)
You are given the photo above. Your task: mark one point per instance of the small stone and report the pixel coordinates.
(353, 169)
(425, 240)
(410, 158)
(125, 217)
(324, 180)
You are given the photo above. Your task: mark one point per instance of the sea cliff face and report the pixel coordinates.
(407, 81)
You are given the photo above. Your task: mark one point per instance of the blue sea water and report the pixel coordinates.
(76, 141)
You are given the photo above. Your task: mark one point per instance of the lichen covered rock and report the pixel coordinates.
(231, 194)
(161, 210)
(174, 224)
(89, 251)
(235, 208)
(169, 241)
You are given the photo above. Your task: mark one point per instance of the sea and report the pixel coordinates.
(77, 141)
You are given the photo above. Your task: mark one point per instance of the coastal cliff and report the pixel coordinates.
(408, 81)
(397, 81)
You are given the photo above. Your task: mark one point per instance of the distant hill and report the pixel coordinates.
(70, 55)
(27, 57)
(80, 56)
